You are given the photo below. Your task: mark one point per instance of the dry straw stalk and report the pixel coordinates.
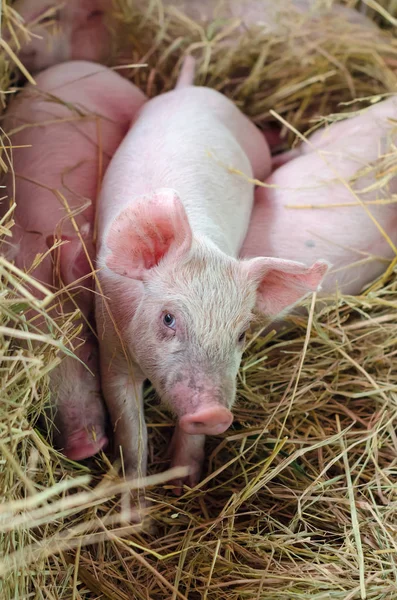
(299, 499)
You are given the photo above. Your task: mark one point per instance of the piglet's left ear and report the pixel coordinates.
(281, 283)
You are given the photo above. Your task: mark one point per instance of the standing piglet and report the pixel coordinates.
(173, 211)
(337, 175)
(74, 121)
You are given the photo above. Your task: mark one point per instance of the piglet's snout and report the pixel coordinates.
(208, 421)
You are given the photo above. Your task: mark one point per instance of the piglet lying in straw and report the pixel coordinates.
(345, 175)
(173, 211)
(76, 29)
(74, 122)
(63, 30)
(260, 13)
(305, 27)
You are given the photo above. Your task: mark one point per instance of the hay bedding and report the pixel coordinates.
(299, 497)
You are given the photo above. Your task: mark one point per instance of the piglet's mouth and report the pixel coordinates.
(212, 420)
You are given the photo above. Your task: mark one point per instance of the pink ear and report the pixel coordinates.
(281, 283)
(73, 262)
(153, 227)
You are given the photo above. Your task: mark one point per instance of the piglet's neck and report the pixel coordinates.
(207, 233)
(207, 224)
(207, 220)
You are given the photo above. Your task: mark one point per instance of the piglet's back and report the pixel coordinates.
(64, 138)
(195, 141)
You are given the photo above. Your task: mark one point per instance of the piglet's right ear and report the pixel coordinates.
(151, 229)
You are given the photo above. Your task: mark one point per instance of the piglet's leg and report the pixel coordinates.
(187, 451)
(122, 388)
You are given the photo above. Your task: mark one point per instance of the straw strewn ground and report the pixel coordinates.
(299, 497)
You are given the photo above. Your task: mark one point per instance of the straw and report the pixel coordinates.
(298, 499)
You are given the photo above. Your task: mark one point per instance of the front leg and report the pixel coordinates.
(187, 451)
(122, 384)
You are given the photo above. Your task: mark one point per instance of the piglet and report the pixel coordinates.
(267, 14)
(335, 177)
(63, 30)
(74, 121)
(76, 29)
(173, 212)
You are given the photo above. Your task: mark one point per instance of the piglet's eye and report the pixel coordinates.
(169, 320)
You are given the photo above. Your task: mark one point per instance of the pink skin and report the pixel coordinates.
(77, 409)
(172, 217)
(317, 173)
(211, 420)
(64, 156)
(75, 30)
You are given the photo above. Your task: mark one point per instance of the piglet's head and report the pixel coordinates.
(195, 306)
